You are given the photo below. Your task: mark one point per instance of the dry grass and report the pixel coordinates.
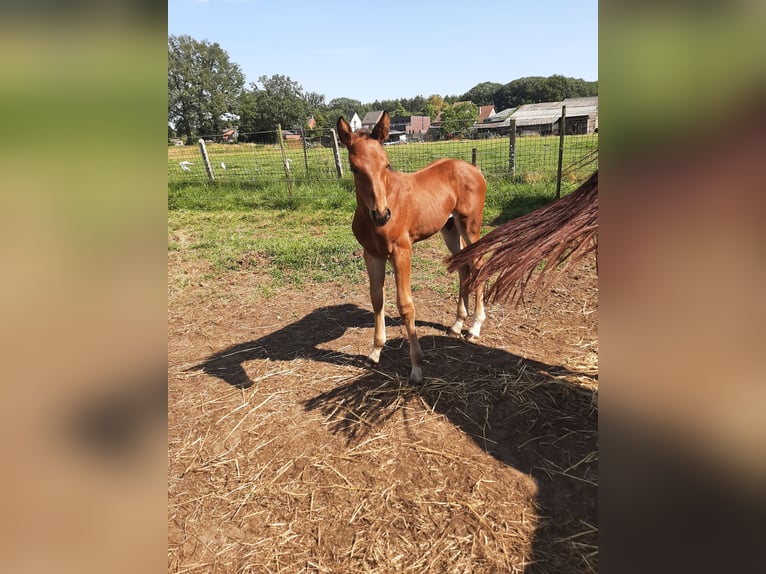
(325, 464)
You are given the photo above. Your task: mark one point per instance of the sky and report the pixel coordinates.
(395, 49)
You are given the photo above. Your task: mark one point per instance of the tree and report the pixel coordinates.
(482, 94)
(281, 101)
(204, 86)
(345, 107)
(399, 111)
(536, 89)
(278, 100)
(457, 119)
(417, 106)
(434, 105)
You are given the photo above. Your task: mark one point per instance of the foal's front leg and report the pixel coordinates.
(401, 260)
(376, 271)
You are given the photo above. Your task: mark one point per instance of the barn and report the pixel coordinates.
(545, 118)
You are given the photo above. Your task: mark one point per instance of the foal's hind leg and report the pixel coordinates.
(376, 271)
(452, 239)
(470, 231)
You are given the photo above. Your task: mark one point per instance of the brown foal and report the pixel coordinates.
(395, 210)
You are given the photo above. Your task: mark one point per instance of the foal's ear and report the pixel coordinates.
(344, 131)
(381, 129)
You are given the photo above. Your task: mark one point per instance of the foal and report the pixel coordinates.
(395, 210)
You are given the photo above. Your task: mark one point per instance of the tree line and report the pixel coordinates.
(207, 93)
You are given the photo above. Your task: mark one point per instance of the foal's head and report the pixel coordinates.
(369, 164)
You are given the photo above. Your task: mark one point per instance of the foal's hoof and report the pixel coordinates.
(416, 376)
(471, 338)
(454, 334)
(374, 356)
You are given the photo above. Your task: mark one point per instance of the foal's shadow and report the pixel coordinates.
(537, 418)
(527, 414)
(300, 339)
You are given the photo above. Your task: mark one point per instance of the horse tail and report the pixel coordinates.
(564, 231)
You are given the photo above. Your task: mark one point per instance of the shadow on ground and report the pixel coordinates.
(530, 415)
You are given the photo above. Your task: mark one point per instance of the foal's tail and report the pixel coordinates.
(565, 230)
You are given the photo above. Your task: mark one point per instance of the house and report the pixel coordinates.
(230, 135)
(371, 118)
(291, 135)
(355, 122)
(485, 112)
(413, 126)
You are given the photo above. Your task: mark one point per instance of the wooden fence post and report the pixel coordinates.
(512, 149)
(473, 156)
(336, 153)
(206, 159)
(285, 161)
(562, 131)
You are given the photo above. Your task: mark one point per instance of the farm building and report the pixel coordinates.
(370, 119)
(497, 124)
(538, 119)
(582, 115)
(230, 135)
(411, 125)
(407, 126)
(545, 118)
(355, 122)
(485, 112)
(396, 136)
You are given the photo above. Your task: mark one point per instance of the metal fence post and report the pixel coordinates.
(285, 161)
(206, 159)
(512, 149)
(562, 131)
(336, 153)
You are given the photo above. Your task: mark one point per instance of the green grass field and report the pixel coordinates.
(303, 239)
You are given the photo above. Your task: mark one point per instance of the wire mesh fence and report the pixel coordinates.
(297, 157)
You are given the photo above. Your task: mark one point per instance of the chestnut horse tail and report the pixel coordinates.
(564, 231)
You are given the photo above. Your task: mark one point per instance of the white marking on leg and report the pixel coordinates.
(374, 356)
(457, 329)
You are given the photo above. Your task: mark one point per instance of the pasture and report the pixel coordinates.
(289, 452)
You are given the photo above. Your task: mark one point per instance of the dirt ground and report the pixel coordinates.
(289, 452)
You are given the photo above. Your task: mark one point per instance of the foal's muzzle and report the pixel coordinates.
(378, 219)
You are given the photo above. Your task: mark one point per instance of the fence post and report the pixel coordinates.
(562, 131)
(305, 154)
(512, 149)
(336, 153)
(285, 161)
(473, 156)
(206, 159)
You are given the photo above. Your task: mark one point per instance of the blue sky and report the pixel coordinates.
(394, 49)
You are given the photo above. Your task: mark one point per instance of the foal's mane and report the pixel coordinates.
(365, 133)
